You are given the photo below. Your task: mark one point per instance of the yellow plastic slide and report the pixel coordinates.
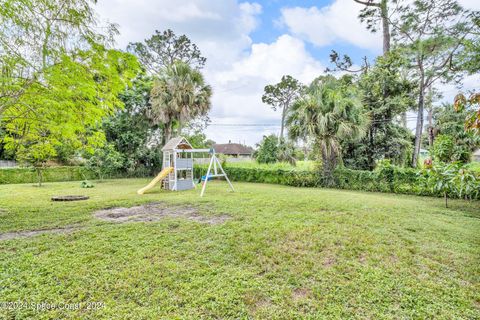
(162, 175)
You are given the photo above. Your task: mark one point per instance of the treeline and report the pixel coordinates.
(67, 97)
(356, 115)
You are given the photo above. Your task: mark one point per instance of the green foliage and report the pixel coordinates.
(443, 148)
(473, 166)
(387, 95)
(50, 174)
(451, 180)
(454, 143)
(286, 152)
(440, 178)
(105, 161)
(86, 184)
(165, 48)
(471, 107)
(66, 109)
(199, 140)
(386, 171)
(433, 37)
(59, 79)
(330, 112)
(132, 133)
(282, 95)
(465, 183)
(178, 96)
(267, 151)
(280, 248)
(402, 180)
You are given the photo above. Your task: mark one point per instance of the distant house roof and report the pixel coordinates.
(233, 149)
(177, 143)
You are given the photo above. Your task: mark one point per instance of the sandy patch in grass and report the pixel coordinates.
(154, 212)
(32, 233)
(301, 293)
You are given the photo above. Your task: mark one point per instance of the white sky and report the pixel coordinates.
(237, 67)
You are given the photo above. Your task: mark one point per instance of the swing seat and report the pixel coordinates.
(205, 177)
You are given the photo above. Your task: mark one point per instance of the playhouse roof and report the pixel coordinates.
(177, 143)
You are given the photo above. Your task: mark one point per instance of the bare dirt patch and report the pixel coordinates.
(301, 293)
(156, 211)
(329, 261)
(362, 258)
(32, 233)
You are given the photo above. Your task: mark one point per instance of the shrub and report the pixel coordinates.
(443, 148)
(105, 161)
(267, 150)
(386, 178)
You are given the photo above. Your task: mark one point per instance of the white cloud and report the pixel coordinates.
(470, 4)
(331, 24)
(240, 87)
(219, 27)
(237, 69)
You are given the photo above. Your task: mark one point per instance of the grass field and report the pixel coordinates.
(285, 253)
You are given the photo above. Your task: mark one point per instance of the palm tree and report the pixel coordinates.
(179, 96)
(328, 113)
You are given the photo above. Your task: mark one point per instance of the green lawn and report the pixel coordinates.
(286, 253)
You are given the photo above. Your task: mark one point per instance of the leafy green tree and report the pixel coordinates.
(282, 95)
(471, 107)
(165, 48)
(131, 131)
(267, 151)
(329, 113)
(59, 79)
(451, 180)
(453, 143)
(35, 36)
(178, 96)
(67, 107)
(386, 95)
(432, 36)
(443, 148)
(199, 140)
(441, 178)
(468, 184)
(105, 161)
(286, 152)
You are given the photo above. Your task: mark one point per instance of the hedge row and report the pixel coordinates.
(389, 179)
(61, 173)
(50, 174)
(395, 180)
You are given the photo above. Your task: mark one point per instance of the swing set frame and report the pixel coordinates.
(213, 164)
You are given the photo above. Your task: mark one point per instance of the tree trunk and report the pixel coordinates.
(404, 119)
(167, 132)
(39, 176)
(383, 7)
(371, 161)
(385, 26)
(446, 199)
(431, 133)
(180, 127)
(282, 126)
(419, 128)
(329, 160)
